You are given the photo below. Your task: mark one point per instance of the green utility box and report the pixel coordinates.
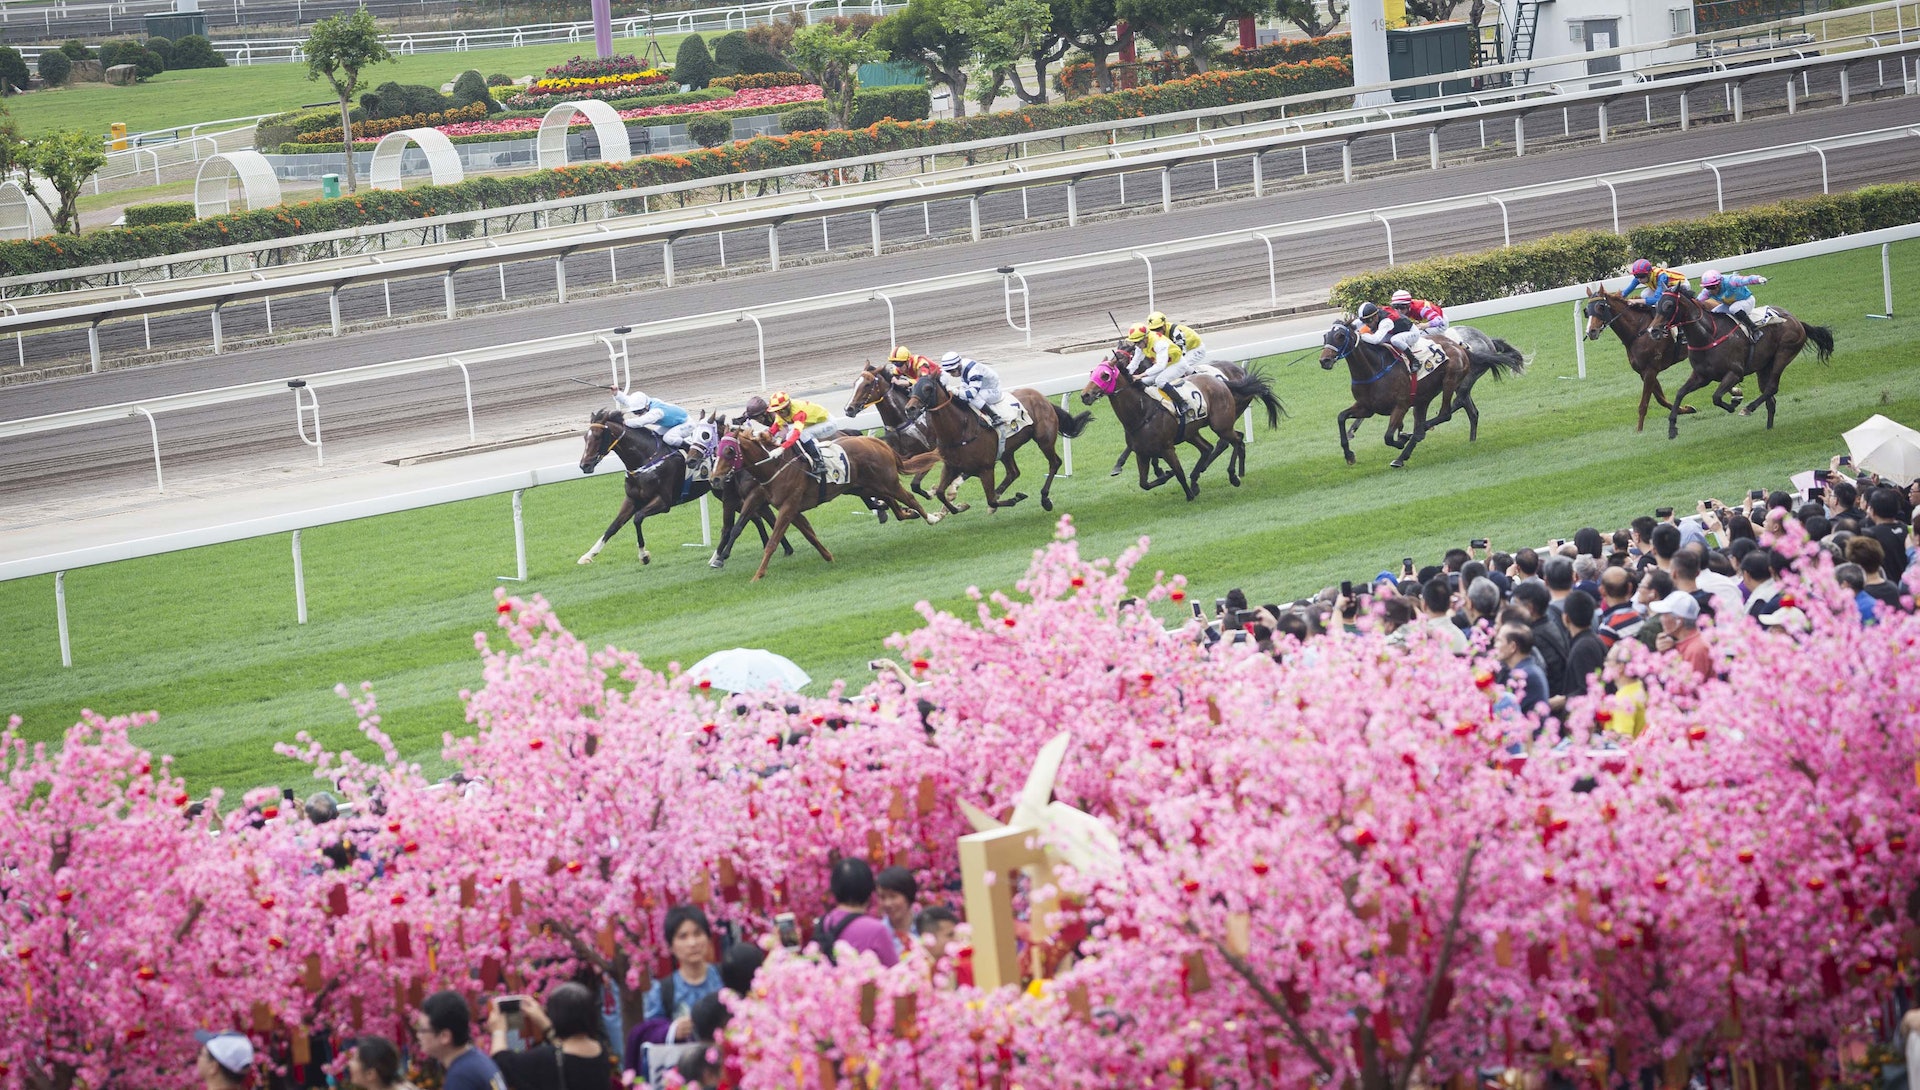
(329, 185)
(890, 74)
(176, 25)
(1428, 50)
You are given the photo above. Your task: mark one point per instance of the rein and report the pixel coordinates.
(1699, 316)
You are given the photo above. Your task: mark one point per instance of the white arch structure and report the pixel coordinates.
(612, 132)
(214, 182)
(442, 160)
(20, 215)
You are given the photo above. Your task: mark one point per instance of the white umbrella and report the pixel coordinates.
(745, 669)
(1886, 447)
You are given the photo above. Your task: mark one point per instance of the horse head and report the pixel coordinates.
(1600, 313)
(1337, 345)
(727, 457)
(870, 390)
(604, 429)
(927, 394)
(1104, 380)
(1664, 314)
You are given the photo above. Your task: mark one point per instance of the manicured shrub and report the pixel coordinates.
(470, 88)
(692, 67)
(908, 103)
(195, 51)
(403, 100)
(499, 79)
(110, 52)
(146, 62)
(709, 131)
(76, 50)
(13, 68)
(54, 67)
(146, 215)
(759, 79)
(805, 119)
(163, 47)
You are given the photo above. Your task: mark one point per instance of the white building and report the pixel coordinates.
(1570, 28)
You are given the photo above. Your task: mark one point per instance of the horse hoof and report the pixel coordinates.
(1116, 471)
(645, 557)
(1351, 459)
(1046, 503)
(586, 559)
(1688, 410)
(1746, 410)
(932, 517)
(1398, 463)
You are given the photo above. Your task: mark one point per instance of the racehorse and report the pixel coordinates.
(656, 480)
(968, 447)
(909, 437)
(1720, 352)
(873, 469)
(1646, 354)
(1382, 385)
(1232, 372)
(1154, 432)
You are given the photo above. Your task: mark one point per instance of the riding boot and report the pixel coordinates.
(810, 450)
(1746, 323)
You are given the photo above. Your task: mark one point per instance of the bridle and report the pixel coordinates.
(1601, 302)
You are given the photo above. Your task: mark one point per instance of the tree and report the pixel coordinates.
(13, 70)
(54, 67)
(1004, 34)
(933, 35)
(195, 51)
(339, 47)
(1091, 26)
(831, 57)
(56, 166)
(692, 65)
(11, 148)
(1184, 24)
(1308, 16)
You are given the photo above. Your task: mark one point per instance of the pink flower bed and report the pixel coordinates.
(758, 96)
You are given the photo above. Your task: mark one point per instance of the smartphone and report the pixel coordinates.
(1821, 475)
(1757, 494)
(1846, 459)
(1246, 617)
(1559, 541)
(1406, 565)
(1663, 512)
(286, 793)
(507, 1004)
(1219, 605)
(1346, 588)
(1125, 602)
(1477, 543)
(1816, 491)
(788, 929)
(509, 1008)
(1198, 614)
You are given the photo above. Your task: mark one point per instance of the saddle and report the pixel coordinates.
(1185, 399)
(832, 466)
(1766, 316)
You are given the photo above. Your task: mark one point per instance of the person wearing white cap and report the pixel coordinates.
(225, 1059)
(1679, 615)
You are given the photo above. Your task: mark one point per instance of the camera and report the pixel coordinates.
(1346, 588)
(1757, 494)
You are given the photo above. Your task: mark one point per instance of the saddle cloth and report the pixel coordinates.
(1428, 356)
(1766, 316)
(1013, 416)
(1192, 401)
(833, 468)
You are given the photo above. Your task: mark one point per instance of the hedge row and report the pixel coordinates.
(374, 129)
(760, 79)
(1585, 257)
(759, 153)
(144, 215)
(1077, 79)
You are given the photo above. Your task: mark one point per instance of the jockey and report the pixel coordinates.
(695, 437)
(979, 386)
(1731, 294)
(1381, 325)
(641, 411)
(1419, 311)
(1184, 337)
(908, 366)
(1655, 280)
(805, 423)
(757, 412)
(1168, 361)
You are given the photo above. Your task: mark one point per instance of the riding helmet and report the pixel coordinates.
(755, 406)
(1368, 311)
(901, 354)
(950, 361)
(1156, 321)
(1642, 267)
(780, 401)
(1137, 334)
(1709, 279)
(1402, 296)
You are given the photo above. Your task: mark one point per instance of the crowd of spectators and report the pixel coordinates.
(1553, 614)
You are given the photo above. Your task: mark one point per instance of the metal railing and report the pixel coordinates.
(516, 484)
(602, 237)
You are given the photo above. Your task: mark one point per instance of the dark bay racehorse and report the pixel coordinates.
(969, 447)
(886, 388)
(1720, 352)
(873, 469)
(1382, 385)
(1154, 433)
(1646, 354)
(1232, 372)
(656, 479)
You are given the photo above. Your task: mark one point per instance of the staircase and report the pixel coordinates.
(1526, 23)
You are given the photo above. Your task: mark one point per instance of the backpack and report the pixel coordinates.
(827, 941)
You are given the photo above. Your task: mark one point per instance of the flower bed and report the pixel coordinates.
(590, 67)
(751, 99)
(373, 130)
(619, 85)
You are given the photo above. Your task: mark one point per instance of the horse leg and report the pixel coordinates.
(1053, 470)
(780, 524)
(1694, 382)
(806, 530)
(993, 494)
(1403, 444)
(654, 506)
(1473, 417)
(1649, 389)
(619, 520)
(1190, 486)
(1126, 451)
(1732, 379)
(948, 478)
(1341, 424)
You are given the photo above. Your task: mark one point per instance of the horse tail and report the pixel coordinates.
(1822, 339)
(1253, 386)
(1071, 424)
(1499, 366)
(920, 463)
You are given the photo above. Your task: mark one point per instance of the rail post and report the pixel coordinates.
(1066, 453)
(874, 222)
(1580, 336)
(333, 300)
(299, 580)
(1886, 281)
(1148, 262)
(60, 615)
(93, 346)
(153, 428)
(219, 341)
(1007, 276)
(760, 337)
(519, 541)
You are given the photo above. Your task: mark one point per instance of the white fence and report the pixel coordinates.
(605, 239)
(517, 483)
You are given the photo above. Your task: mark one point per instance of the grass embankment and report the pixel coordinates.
(213, 94)
(208, 637)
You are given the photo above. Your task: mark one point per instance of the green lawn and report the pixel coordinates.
(208, 637)
(213, 94)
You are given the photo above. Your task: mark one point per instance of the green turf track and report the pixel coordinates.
(208, 637)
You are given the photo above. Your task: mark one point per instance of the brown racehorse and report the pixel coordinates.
(654, 483)
(1154, 432)
(1382, 385)
(885, 387)
(873, 469)
(1232, 372)
(1720, 352)
(970, 448)
(1647, 355)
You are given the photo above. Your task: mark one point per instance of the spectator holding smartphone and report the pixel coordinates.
(1887, 528)
(565, 1049)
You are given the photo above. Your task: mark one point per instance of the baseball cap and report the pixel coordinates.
(1680, 604)
(230, 1050)
(1791, 616)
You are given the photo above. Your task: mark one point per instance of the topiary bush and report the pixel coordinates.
(805, 119)
(392, 99)
(907, 103)
(147, 64)
(709, 131)
(692, 67)
(13, 68)
(54, 67)
(146, 215)
(471, 88)
(164, 48)
(76, 50)
(499, 79)
(110, 52)
(728, 50)
(195, 51)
